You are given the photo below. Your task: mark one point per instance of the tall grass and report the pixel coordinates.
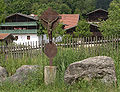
(64, 57)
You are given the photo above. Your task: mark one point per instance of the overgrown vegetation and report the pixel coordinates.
(2, 10)
(82, 29)
(65, 56)
(111, 25)
(61, 6)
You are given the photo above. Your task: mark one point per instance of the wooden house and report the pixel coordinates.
(97, 15)
(6, 38)
(70, 21)
(23, 27)
(94, 18)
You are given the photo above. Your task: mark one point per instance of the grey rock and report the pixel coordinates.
(99, 67)
(23, 73)
(3, 73)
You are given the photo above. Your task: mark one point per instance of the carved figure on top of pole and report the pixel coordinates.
(50, 20)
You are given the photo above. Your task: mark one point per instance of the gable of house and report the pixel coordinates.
(18, 17)
(97, 15)
(19, 23)
(6, 37)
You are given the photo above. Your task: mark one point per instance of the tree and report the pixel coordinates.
(112, 25)
(2, 10)
(65, 9)
(104, 4)
(38, 9)
(82, 29)
(20, 6)
(59, 31)
(83, 5)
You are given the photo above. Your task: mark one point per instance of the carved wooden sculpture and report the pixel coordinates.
(50, 20)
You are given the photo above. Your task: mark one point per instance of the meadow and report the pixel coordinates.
(64, 57)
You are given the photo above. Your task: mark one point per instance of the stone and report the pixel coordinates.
(49, 74)
(23, 73)
(99, 67)
(3, 73)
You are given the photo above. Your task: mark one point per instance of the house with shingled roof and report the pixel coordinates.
(71, 21)
(94, 18)
(24, 27)
(6, 37)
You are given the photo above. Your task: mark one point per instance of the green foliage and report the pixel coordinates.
(18, 6)
(65, 9)
(58, 31)
(2, 10)
(111, 26)
(41, 30)
(83, 5)
(67, 36)
(38, 9)
(104, 4)
(82, 29)
(65, 56)
(61, 6)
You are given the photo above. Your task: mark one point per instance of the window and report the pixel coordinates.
(16, 38)
(28, 37)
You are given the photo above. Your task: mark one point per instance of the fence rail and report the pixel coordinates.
(93, 45)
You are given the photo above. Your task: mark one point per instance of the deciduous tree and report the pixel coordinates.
(2, 10)
(112, 25)
(82, 29)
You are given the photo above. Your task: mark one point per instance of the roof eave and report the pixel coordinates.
(97, 10)
(22, 15)
(70, 28)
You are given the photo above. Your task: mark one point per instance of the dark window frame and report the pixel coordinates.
(28, 37)
(16, 38)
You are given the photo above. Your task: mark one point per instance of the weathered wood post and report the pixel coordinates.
(50, 20)
(49, 74)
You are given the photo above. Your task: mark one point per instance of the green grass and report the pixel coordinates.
(63, 58)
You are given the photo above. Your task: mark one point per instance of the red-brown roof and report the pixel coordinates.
(71, 20)
(3, 35)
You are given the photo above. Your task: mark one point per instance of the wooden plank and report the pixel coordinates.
(76, 44)
(88, 46)
(23, 49)
(36, 46)
(91, 47)
(67, 42)
(73, 44)
(102, 46)
(99, 45)
(94, 46)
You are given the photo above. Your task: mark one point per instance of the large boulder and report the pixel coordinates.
(3, 73)
(23, 73)
(99, 67)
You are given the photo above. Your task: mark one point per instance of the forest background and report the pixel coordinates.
(61, 6)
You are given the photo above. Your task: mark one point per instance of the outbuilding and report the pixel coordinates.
(6, 38)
